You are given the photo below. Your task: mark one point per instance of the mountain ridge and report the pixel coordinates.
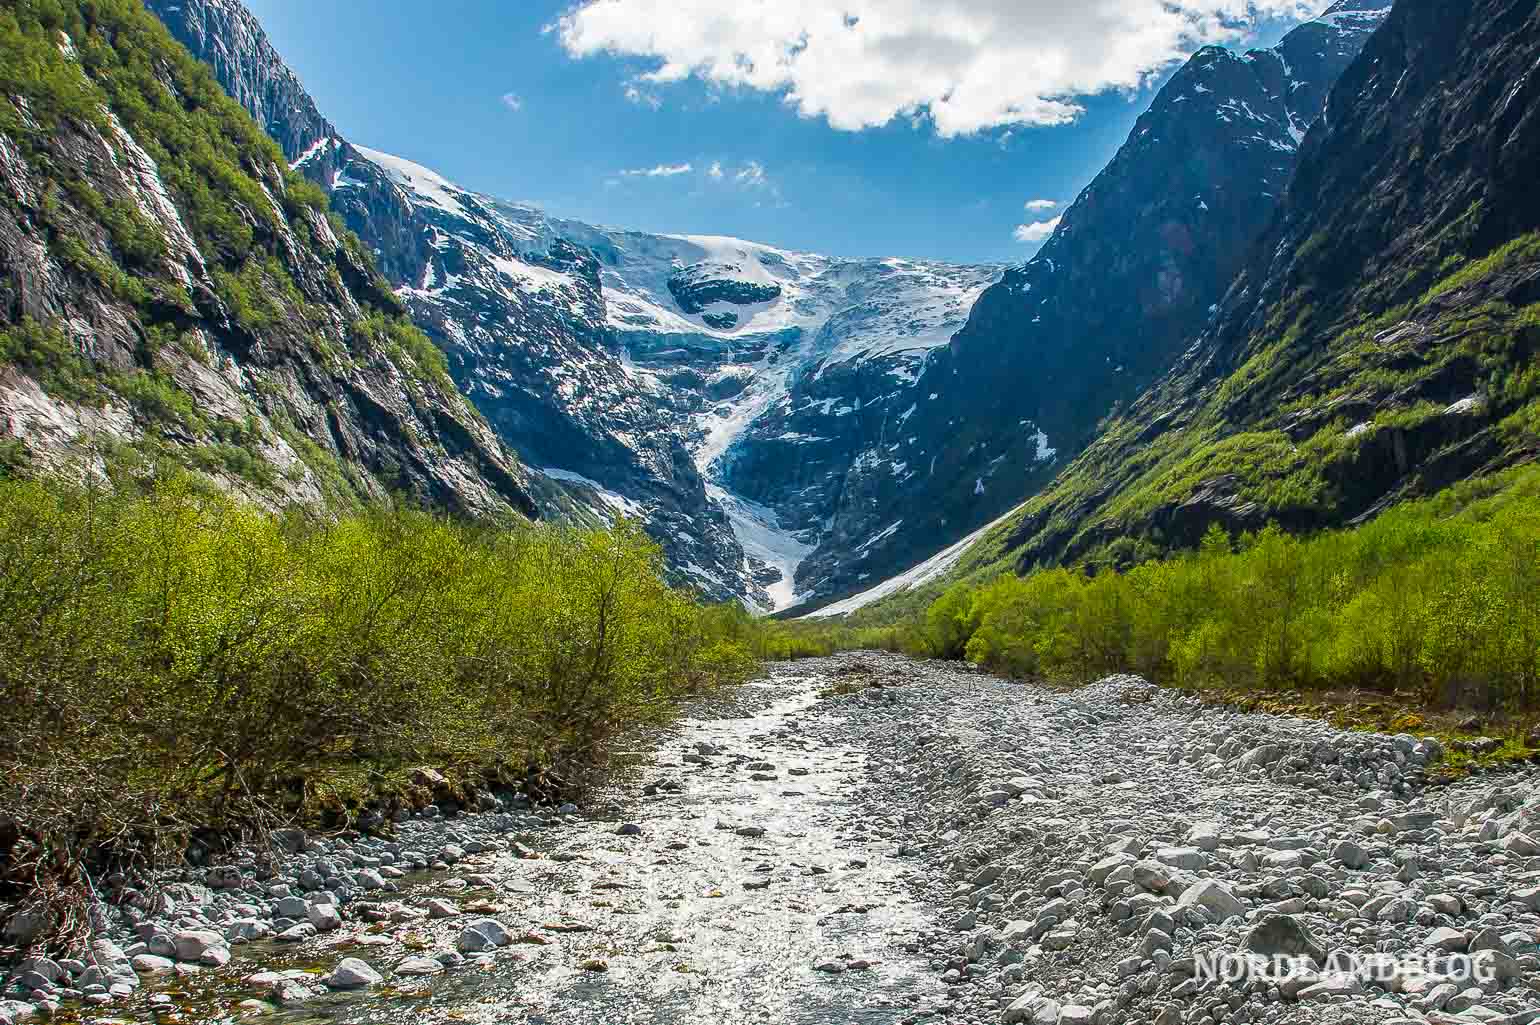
(478, 272)
(1136, 266)
(673, 376)
(1378, 345)
(171, 292)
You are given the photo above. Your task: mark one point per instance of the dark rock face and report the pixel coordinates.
(1361, 341)
(521, 313)
(295, 404)
(231, 40)
(698, 286)
(1107, 305)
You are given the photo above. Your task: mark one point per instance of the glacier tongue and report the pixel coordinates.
(759, 531)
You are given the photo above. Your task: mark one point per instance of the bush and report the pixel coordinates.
(174, 660)
(1440, 597)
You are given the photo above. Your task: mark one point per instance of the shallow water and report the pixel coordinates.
(660, 927)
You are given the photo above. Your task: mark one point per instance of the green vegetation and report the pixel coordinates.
(49, 355)
(71, 70)
(172, 660)
(1438, 600)
(1329, 408)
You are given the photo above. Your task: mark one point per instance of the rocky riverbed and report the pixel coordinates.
(870, 839)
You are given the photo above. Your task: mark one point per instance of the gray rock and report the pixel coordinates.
(324, 917)
(351, 973)
(1283, 936)
(1351, 855)
(193, 944)
(482, 935)
(416, 966)
(1214, 897)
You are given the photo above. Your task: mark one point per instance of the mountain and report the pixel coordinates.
(1379, 343)
(641, 364)
(728, 393)
(1127, 280)
(169, 290)
(793, 427)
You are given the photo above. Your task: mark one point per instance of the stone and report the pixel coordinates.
(351, 973)
(1214, 897)
(441, 908)
(1449, 940)
(482, 935)
(1522, 845)
(1351, 855)
(1205, 836)
(1105, 867)
(1488, 939)
(150, 964)
(417, 966)
(1189, 858)
(193, 944)
(1277, 935)
(324, 917)
(1032, 1009)
(1330, 986)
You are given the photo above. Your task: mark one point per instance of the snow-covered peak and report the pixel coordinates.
(1355, 14)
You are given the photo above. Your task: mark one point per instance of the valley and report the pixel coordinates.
(417, 606)
(870, 839)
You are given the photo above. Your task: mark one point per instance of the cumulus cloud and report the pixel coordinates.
(1037, 231)
(642, 98)
(752, 175)
(513, 101)
(660, 171)
(967, 65)
(1039, 205)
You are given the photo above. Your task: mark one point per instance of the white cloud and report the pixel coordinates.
(967, 65)
(1038, 231)
(752, 175)
(661, 171)
(1039, 205)
(641, 98)
(513, 101)
(715, 170)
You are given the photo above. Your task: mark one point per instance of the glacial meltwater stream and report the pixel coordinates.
(754, 891)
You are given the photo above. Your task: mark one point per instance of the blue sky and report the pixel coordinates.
(493, 96)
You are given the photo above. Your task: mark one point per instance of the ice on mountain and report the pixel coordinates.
(422, 183)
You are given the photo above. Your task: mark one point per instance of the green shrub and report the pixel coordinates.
(175, 659)
(1441, 597)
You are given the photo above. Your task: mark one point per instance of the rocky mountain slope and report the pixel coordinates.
(169, 290)
(719, 389)
(1379, 342)
(1129, 277)
(819, 408)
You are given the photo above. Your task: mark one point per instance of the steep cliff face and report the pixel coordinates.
(1129, 277)
(169, 291)
(1379, 343)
